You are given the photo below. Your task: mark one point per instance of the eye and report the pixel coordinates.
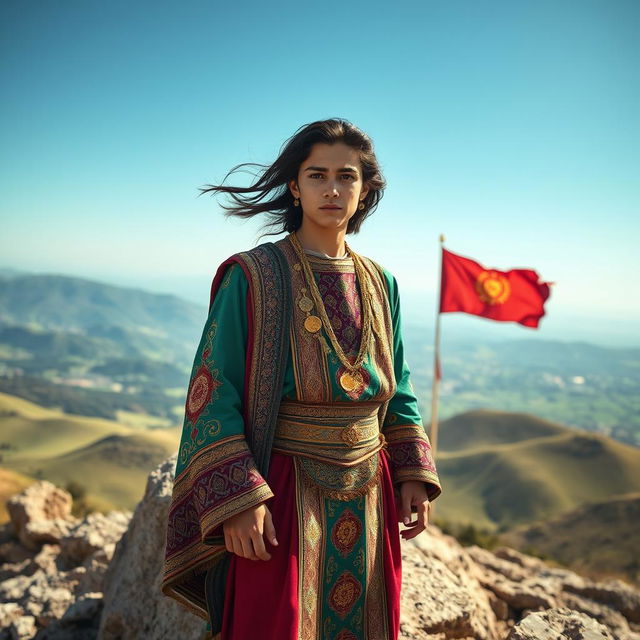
(348, 175)
(313, 175)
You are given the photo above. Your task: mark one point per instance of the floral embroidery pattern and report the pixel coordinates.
(203, 384)
(344, 593)
(345, 532)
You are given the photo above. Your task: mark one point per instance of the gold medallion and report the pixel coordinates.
(349, 381)
(312, 324)
(306, 304)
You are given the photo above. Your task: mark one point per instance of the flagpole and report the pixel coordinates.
(435, 387)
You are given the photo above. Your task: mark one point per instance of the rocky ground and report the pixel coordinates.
(99, 577)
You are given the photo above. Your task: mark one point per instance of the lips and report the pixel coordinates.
(331, 206)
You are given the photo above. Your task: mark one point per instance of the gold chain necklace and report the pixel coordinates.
(352, 378)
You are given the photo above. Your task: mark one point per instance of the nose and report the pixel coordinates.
(331, 190)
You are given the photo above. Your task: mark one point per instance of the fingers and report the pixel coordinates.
(421, 522)
(258, 545)
(269, 529)
(405, 511)
(247, 548)
(236, 546)
(245, 537)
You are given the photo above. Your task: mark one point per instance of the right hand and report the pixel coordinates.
(243, 532)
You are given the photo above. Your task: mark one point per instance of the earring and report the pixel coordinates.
(296, 203)
(361, 205)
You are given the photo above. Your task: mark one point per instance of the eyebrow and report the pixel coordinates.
(345, 170)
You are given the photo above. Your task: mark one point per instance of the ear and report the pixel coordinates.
(364, 191)
(293, 187)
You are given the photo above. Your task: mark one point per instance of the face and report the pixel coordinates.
(329, 185)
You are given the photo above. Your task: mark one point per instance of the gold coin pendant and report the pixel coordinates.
(347, 382)
(312, 324)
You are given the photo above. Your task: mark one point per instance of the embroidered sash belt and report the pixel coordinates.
(334, 444)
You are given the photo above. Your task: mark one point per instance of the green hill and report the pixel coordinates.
(599, 540)
(510, 468)
(499, 470)
(112, 471)
(484, 427)
(108, 459)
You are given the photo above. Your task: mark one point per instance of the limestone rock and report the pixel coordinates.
(556, 623)
(53, 590)
(93, 534)
(440, 594)
(134, 605)
(23, 628)
(41, 513)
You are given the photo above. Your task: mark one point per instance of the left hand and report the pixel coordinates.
(414, 493)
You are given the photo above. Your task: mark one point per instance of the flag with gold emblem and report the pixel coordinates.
(516, 295)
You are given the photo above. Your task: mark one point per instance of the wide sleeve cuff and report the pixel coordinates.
(410, 457)
(225, 481)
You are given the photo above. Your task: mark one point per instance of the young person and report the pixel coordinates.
(302, 445)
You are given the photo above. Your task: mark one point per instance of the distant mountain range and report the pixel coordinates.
(96, 349)
(76, 305)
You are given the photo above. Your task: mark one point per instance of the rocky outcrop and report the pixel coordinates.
(134, 606)
(99, 577)
(41, 513)
(52, 566)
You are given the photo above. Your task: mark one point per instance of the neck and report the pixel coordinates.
(329, 241)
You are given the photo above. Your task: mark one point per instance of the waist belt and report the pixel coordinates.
(342, 434)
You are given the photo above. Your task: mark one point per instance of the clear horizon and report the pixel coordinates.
(510, 128)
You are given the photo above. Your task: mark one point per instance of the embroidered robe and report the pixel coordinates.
(337, 566)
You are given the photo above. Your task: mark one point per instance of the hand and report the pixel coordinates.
(243, 532)
(414, 493)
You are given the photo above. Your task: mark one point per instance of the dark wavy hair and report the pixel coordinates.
(271, 194)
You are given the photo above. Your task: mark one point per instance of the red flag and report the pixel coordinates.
(505, 296)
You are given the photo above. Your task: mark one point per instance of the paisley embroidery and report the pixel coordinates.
(201, 390)
(345, 532)
(344, 593)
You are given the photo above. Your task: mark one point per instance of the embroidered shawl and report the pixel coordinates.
(218, 477)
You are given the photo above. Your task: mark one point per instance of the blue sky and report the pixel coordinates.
(511, 127)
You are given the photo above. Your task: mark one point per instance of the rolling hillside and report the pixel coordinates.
(110, 460)
(501, 469)
(599, 539)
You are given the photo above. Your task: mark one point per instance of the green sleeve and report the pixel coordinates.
(408, 444)
(215, 466)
